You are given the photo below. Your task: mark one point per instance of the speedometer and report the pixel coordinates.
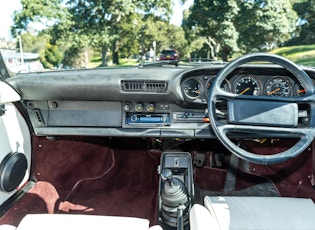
(279, 87)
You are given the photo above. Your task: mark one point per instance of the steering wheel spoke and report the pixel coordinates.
(269, 131)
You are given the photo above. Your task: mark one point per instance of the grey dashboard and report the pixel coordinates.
(145, 102)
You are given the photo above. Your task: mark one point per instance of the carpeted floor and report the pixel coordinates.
(91, 176)
(102, 176)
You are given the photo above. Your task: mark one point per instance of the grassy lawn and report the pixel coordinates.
(302, 55)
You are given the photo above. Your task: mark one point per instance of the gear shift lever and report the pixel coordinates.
(175, 200)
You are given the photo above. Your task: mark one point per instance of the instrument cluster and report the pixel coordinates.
(196, 88)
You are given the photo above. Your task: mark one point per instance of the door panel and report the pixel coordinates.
(15, 145)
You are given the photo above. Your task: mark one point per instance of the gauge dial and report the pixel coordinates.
(192, 88)
(225, 85)
(278, 87)
(247, 85)
(299, 90)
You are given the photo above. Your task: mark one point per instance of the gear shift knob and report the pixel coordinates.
(167, 175)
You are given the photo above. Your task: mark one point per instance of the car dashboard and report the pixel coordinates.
(141, 102)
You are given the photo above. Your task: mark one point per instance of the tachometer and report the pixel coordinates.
(247, 85)
(279, 87)
(192, 88)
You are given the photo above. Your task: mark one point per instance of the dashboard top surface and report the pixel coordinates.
(160, 102)
(176, 83)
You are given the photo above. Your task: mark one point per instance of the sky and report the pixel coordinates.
(8, 6)
(6, 11)
(178, 9)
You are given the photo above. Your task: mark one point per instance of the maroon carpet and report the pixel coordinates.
(102, 176)
(91, 176)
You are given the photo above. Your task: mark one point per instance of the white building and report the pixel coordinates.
(21, 62)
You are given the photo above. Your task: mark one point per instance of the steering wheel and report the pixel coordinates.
(262, 115)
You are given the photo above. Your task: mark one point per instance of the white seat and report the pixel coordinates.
(263, 213)
(81, 222)
(7, 227)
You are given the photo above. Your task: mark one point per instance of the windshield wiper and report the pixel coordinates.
(183, 62)
(159, 63)
(204, 61)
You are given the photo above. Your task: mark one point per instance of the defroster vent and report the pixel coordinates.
(144, 86)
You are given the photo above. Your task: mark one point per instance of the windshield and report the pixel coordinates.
(37, 36)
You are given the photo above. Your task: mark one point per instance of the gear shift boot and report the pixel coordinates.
(176, 190)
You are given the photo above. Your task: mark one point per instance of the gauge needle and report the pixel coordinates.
(245, 90)
(301, 91)
(272, 92)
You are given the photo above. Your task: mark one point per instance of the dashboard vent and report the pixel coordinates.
(144, 86)
(38, 117)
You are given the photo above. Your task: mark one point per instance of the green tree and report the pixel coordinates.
(101, 19)
(177, 40)
(195, 41)
(265, 24)
(95, 19)
(75, 57)
(49, 54)
(142, 32)
(215, 19)
(33, 43)
(243, 26)
(116, 25)
(51, 57)
(130, 35)
(306, 12)
(154, 29)
(47, 12)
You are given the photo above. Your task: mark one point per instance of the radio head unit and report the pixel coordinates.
(162, 119)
